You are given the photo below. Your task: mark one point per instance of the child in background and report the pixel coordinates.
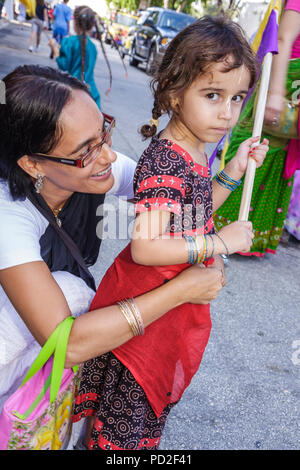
(204, 77)
(78, 54)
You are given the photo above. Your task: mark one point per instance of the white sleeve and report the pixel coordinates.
(123, 170)
(19, 235)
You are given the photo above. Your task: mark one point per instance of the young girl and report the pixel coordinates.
(78, 54)
(204, 77)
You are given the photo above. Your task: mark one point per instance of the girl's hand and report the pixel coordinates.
(237, 236)
(250, 148)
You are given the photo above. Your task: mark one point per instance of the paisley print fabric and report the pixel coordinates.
(167, 178)
(124, 418)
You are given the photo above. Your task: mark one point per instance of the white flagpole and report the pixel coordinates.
(257, 129)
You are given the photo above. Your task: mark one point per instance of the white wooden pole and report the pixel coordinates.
(257, 129)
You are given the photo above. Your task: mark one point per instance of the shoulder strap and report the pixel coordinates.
(69, 243)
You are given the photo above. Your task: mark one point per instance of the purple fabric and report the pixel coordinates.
(213, 156)
(269, 38)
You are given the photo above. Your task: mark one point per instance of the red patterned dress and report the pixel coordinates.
(132, 389)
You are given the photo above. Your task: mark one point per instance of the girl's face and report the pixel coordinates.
(82, 128)
(210, 107)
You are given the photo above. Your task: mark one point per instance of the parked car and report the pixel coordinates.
(120, 24)
(149, 38)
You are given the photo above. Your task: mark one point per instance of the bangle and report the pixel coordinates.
(192, 248)
(213, 246)
(132, 314)
(227, 251)
(138, 317)
(227, 182)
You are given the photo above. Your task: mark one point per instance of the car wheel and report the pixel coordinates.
(151, 62)
(132, 60)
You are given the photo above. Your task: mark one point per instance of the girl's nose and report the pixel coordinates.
(225, 111)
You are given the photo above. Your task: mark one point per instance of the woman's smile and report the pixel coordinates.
(102, 174)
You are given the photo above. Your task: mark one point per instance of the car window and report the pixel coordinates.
(143, 17)
(125, 20)
(175, 22)
(155, 16)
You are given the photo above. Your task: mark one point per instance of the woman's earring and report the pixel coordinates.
(39, 183)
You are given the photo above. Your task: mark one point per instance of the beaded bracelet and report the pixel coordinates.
(227, 182)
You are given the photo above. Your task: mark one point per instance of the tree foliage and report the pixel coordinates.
(231, 7)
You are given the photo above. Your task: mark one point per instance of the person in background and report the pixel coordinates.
(273, 184)
(39, 22)
(78, 54)
(1, 6)
(62, 16)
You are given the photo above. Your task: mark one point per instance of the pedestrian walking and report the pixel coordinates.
(56, 165)
(274, 179)
(62, 16)
(204, 77)
(78, 54)
(39, 22)
(1, 7)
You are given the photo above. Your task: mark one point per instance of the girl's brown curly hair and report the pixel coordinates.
(190, 54)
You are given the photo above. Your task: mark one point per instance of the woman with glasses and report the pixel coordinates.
(56, 165)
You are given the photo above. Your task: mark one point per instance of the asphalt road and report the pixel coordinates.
(246, 392)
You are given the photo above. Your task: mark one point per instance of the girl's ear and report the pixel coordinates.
(174, 103)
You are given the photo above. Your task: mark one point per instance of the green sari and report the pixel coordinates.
(271, 192)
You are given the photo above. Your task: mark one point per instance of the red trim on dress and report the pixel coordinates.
(158, 203)
(162, 181)
(194, 166)
(104, 444)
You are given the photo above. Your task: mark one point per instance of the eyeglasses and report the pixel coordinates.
(90, 155)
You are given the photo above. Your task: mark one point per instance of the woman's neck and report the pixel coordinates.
(55, 201)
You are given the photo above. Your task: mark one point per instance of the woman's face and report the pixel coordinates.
(81, 123)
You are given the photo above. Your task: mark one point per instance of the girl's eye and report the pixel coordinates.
(238, 98)
(212, 96)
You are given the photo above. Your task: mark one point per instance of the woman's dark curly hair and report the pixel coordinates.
(190, 54)
(29, 120)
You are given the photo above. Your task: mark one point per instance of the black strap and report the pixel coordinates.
(69, 243)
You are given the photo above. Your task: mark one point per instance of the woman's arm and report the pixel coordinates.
(41, 304)
(288, 30)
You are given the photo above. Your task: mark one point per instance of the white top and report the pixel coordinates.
(22, 225)
(20, 231)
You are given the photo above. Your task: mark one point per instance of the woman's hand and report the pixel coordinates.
(237, 236)
(274, 108)
(198, 284)
(250, 148)
(219, 264)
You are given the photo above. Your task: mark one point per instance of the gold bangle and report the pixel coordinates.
(138, 317)
(128, 316)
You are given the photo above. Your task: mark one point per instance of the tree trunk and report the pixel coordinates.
(166, 3)
(181, 6)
